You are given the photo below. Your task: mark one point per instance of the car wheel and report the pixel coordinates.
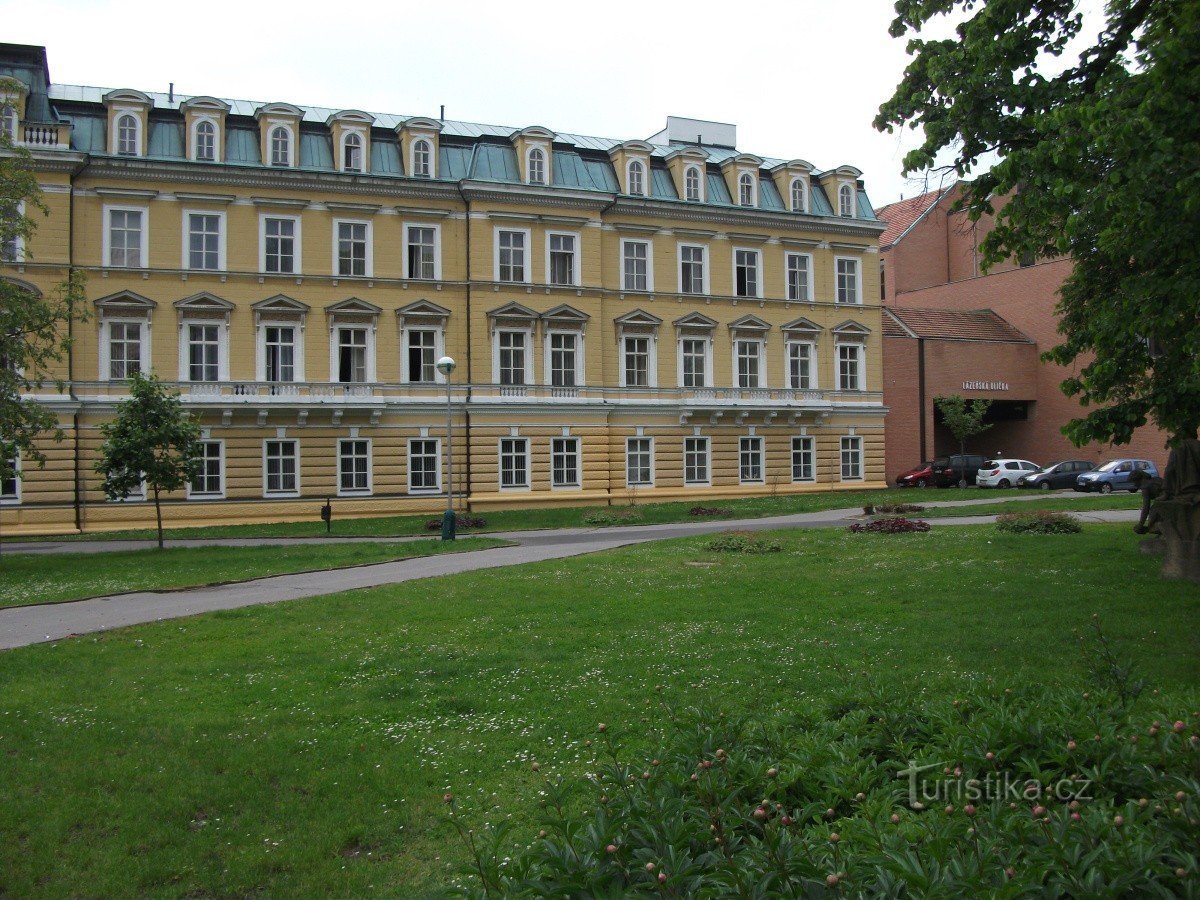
(922, 483)
(1044, 485)
(1106, 488)
(1003, 483)
(962, 482)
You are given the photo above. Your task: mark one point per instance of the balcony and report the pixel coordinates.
(45, 136)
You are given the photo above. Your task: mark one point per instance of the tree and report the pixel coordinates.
(963, 418)
(152, 441)
(1099, 161)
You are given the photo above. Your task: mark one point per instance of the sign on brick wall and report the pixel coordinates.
(985, 386)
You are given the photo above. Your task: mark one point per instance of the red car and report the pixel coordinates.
(919, 476)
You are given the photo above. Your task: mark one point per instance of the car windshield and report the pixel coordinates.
(989, 464)
(1109, 466)
(1050, 468)
(941, 462)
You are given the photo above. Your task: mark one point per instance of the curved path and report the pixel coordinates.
(23, 625)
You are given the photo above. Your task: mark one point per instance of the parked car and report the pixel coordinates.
(1003, 473)
(956, 469)
(918, 476)
(1116, 475)
(1056, 475)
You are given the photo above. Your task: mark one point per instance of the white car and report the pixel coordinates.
(1004, 473)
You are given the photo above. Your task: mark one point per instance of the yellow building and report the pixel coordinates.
(632, 320)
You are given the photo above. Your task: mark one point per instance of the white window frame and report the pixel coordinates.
(858, 280)
(528, 266)
(437, 488)
(18, 240)
(707, 340)
(439, 350)
(649, 244)
(545, 163)
(347, 134)
(222, 232)
(297, 244)
(211, 495)
(106, 238)
(861, 353)
(642, 177)
(812, 458)
(335, 344)
(813, 367)
(118, 114)
(528, 485)
(106, 344)
(8, 118)
(741, 180)
(431, 163)
(651, 360)
(699, 198)
(762, 459)
(355, 492)
(369, 261)
(437, 250)
(297, 349)
(704, 262)
(707, 480)
(802, 206)
(196, 123)
(856, 447)
(577, 484)
(548, 354)
(761, 343)
(576, 257)
(269, 494)
(292, 149)
(528, 332)
(14, 499)
(185, 345)
(639, 484)
(758, 272)
(787, 277)
(852, 206)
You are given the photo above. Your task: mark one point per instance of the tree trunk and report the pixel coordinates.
(158, 517)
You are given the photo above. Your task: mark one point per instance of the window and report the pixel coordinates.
(635, 265)
(204, 350)
(562, 267)
(694, 368)
(10, 482)
(847, 280)
(352, 355)
(849, 358)
(352, 152)
(280, 245)
(126, 247)
(563, 359)
(204, 242)
(852, 459)
(424, 465)
(512, 346)
(536, 166)
(745, 273)
(281, 146)
(281, 468)
(800, 366)
(422, 350)
(748, 363)
(564, 462)
(208, 480)
(8, 121)
(799, 196)
(803, 463)
(799, 282)
(692, 277)
(124, 349)
(514, 463)
(511, 247)
(421, 257)
(637, 178)
(691, 183)
(639, 461)
(695, 460)
(846, 201)
(128, 133)
(205, 141)
(422, 159)
(750, 460)
(353, 247)
(354, 466)
(745, 189)
(279, 353)
(636, 352)
(12, 246)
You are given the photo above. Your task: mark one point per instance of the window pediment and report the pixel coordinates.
(423, 313)
(353, 306)
(204, 104)
(750, 324)
(535, 133)
(280, 303)
(125, 302)
(128, 95)
(639, 318)
(801, 326)
(851, 330)
(695, 320)
(351, 117)
(204, 302)
(420, 123)
(565, 313)
(279, 110)
(512, 311)
(23, 285)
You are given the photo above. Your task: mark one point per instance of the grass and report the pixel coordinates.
(30, 578)
(303, 748)
(1061, 504)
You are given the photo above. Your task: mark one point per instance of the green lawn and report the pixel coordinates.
(1067, 504)
(28, 578)
(303, 748)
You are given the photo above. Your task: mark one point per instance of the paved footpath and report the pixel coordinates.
(23, 625)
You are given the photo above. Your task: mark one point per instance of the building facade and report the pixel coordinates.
(632, 320)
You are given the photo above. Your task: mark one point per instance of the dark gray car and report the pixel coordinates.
(1057, 475)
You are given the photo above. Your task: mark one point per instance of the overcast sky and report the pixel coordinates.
(803, 79)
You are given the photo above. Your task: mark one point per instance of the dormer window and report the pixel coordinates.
(637, 178)
(746, 189)
(536, 166)
(799, 196)
(206, 141)
(352, 152)
(422, 158)
(691, 183)
(846, 201)
(127, 135)
(281, 146)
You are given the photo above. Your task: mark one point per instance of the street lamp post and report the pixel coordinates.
(446, 365)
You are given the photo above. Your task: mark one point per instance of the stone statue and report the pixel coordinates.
(1151, 487)
(1176, 512)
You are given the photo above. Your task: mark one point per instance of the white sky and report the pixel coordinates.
(805, 80)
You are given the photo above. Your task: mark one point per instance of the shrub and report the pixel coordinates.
(462, 520)
(1042, 521)
(892, 508)
(708, 511)
(897, 525)
(604, 517)
(742, 542)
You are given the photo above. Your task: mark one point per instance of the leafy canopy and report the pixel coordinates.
(1099, 159)
(964, 418)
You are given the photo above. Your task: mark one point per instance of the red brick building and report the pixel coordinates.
(949, 329)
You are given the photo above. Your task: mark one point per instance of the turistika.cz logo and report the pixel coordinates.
(936, 783)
